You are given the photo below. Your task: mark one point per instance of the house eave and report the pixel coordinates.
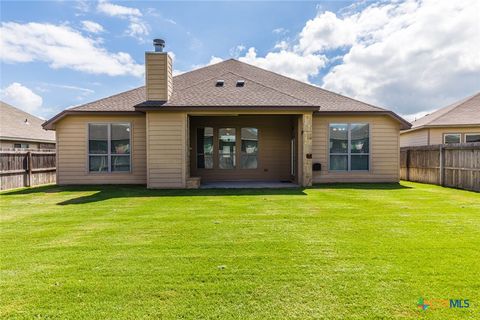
(433, 126)
(151, 106)
(25, 139)
(405, 125)
(50, 124)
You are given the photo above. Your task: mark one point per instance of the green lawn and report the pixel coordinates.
(333, 251)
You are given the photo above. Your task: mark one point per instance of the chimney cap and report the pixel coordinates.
(159, 44)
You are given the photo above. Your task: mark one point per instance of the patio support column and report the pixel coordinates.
(306, 178)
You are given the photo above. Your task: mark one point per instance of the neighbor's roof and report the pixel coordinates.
(262, 89)
(14, 127)
(465, 112)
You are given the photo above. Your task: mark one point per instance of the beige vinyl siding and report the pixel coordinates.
(436, 134)
(384, 149)
(72, 151)
(167, 154)
(159, 80)
(432, 136)
(414, 138)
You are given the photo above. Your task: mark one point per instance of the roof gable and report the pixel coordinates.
(463, 112)
(13, 125)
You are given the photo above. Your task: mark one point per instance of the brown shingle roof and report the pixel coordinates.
(14, 127)
(462, 113)
(262, 89)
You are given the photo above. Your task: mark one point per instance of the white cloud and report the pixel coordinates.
(137, 28)
(22, 97)
(82, 6)
(92, 27)
(280, 31)
(237, 50)
(326, 31)
(409, 56)
(214, 60)
(282, 45)
(288, 63)
(43, 87)
(62, 47)
(115, 10)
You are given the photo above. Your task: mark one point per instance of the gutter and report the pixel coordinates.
(48, 125)
(26, 139)
(474, 125)
(149, 107)
(405, 124)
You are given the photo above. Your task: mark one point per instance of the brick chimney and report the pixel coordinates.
(158, 73)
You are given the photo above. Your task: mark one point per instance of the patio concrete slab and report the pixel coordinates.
(247, 185)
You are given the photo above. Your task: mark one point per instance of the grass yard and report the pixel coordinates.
(333, 251)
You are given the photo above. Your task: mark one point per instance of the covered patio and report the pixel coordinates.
(245, 150)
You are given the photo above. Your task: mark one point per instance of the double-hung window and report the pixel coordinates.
(452, 138)
(472, 137)
(109, 147)
(349, 146)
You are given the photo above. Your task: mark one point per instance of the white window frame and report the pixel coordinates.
(109, 151)
(470, 134)
(452, 134)
(349, 147)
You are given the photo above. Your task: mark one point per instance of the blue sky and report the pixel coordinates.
(57, 54)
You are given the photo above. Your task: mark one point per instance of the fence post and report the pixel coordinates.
(407, 165)
(29, 171)
(442, 165)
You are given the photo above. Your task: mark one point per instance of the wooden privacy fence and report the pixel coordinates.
(26, 168)
(453, 165)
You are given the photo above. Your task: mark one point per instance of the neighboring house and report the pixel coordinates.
(457, 123)
(21, 130)
(229, 121)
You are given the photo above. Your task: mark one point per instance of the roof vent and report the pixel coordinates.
(220, 83)
(240, 83)
(159, 44)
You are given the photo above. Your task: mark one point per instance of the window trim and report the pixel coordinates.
(452, 134)
(109, 146)
(470, 134)
(349, 148)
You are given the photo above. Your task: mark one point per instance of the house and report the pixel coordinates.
(21, 130)
(229, 121)
(456, 123)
